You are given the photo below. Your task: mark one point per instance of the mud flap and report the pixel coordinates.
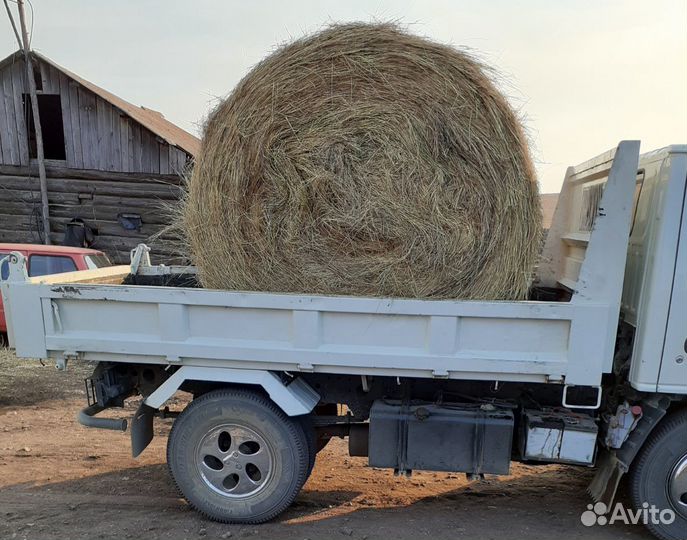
(142, 429)
(608, 475)
(613, 464)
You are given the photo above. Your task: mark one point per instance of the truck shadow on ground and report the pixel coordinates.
(127, 502)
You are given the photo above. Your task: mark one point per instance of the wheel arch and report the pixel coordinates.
(295, 397)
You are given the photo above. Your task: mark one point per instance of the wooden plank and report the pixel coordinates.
(182, 158)
(53, 81)
(103, 128)
(97, 212)
(124, 142)
(107, 228)
(115, 141)
(184, 163)
(8, 128)
(89, 131)
(11, 207)
(24, 222)
(146, 153)
(174, 159)
(18, 89)
(43, 69)
(164, 152)
(130, 154)
(155, 149)
(57, 169)
(75, 122)
(152, 192)
(17, 204)
(94, 210)
(108, 275)
(20, 237)
(137, 149)
(66, 119)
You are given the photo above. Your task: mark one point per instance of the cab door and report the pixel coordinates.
(673, 374)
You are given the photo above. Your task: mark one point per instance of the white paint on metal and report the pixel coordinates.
(294, 399)
(655, 290)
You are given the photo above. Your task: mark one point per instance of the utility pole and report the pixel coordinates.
(40, 155)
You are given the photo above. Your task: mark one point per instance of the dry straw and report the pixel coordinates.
(364, 160)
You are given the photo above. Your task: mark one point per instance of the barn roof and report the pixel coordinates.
(150, 119)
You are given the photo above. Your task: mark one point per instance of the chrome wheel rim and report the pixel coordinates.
(677, 486)
(234, 461)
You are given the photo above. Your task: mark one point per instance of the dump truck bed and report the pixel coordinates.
(94, 316)
(524, 341)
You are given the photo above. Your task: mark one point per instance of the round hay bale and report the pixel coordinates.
(363, 160)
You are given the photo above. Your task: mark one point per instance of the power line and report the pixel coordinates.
(14, 26)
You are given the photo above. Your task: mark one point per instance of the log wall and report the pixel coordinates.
(97, 198)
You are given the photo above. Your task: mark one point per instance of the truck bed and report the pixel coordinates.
(95, 315)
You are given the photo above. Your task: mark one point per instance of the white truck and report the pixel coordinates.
(590, 370)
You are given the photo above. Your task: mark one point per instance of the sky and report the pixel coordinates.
(582, 74)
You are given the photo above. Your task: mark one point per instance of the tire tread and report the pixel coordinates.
(295, 429)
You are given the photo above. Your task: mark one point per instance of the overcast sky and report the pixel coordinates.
(584, 74)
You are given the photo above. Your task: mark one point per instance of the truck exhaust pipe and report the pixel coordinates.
(87, 417)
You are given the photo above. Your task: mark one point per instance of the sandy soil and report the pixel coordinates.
(60, 480)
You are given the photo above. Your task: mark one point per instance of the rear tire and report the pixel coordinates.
(659, 476)
(308, 428)
(236, 457)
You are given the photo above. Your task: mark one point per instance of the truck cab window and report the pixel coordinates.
(43, 265)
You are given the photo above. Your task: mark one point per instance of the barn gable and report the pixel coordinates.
(100, 131)
(109, 163)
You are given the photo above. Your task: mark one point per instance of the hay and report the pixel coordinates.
(367, 161)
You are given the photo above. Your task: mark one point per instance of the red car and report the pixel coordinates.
(44, 260)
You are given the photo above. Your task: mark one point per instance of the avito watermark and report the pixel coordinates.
(597, 514)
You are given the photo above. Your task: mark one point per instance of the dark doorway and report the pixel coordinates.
(50, 111)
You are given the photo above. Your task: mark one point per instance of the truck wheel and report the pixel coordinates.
(659, 476)
(236, 457)
(308, 428)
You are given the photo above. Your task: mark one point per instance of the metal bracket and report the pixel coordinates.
(61, 363)
(309, 368)
(18, 268)
(571, 406)
(140, 256)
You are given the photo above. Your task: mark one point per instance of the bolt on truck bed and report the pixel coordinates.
(94, 316)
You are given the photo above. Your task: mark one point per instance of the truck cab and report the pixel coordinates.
(46, 260)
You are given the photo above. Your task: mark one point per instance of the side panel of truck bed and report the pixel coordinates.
(524, 341)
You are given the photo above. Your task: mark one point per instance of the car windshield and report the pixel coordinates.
(97, 261)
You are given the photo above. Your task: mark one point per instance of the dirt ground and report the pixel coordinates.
(60, 480)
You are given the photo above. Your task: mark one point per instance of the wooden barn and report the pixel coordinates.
(110, 165)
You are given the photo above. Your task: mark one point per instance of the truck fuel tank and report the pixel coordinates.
(454, 437)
